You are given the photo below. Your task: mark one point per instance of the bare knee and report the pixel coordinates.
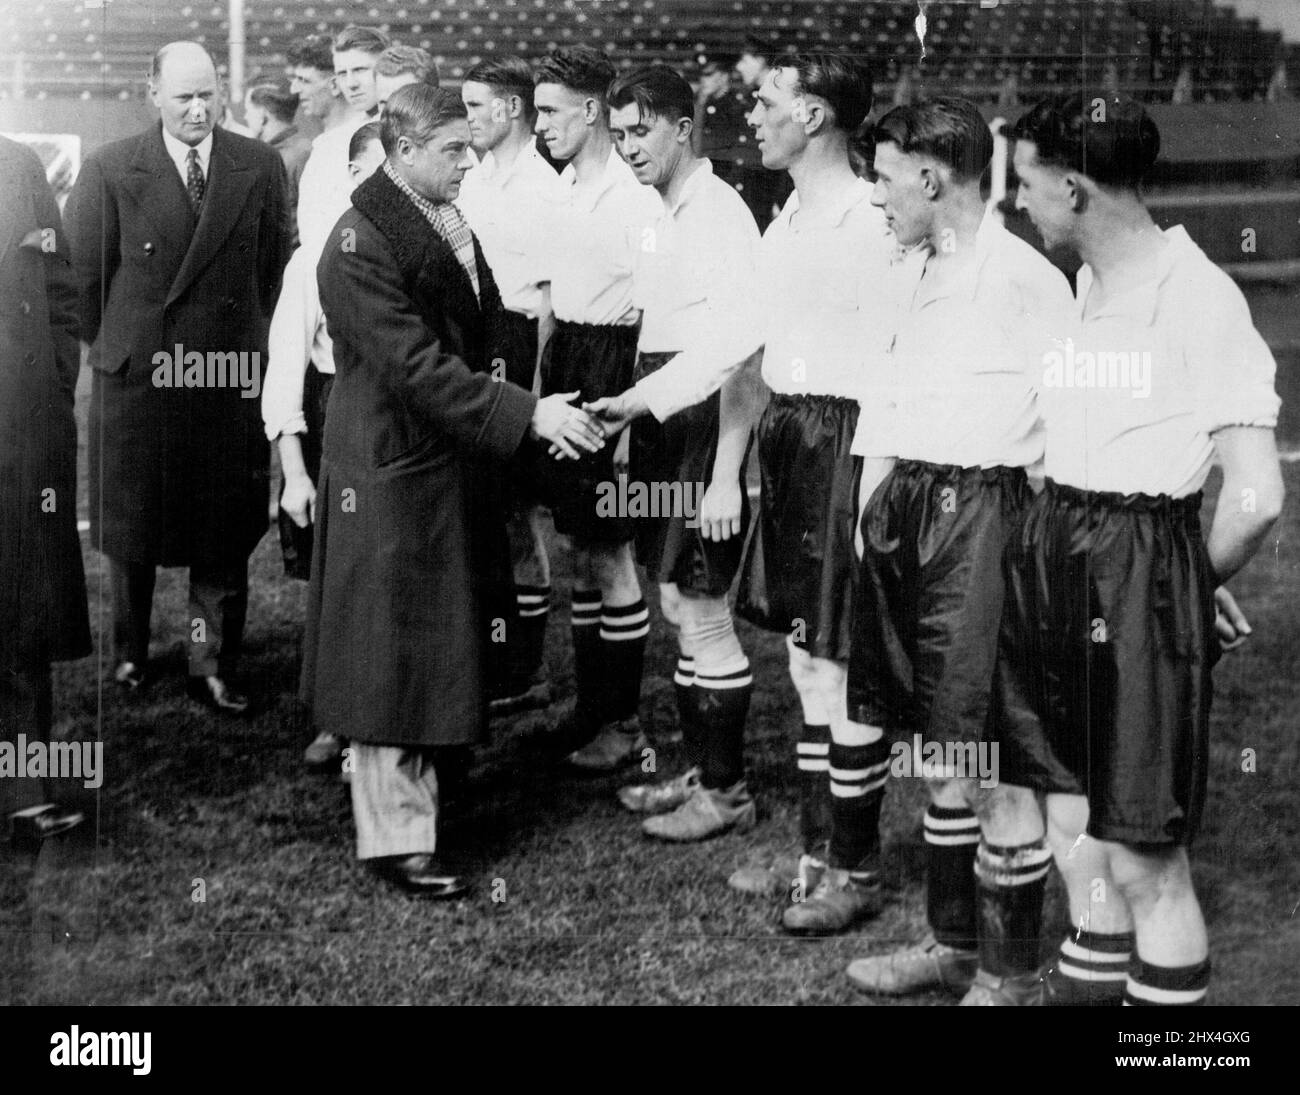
(1147, 875)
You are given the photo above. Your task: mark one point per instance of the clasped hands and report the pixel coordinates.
(569, 428)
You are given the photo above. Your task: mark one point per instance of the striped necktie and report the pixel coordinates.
(194, 179)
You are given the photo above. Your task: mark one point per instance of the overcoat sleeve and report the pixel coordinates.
(60, 284)
(92, 227)
(365, 297)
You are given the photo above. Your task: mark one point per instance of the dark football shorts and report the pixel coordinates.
(1103, 676)
(515, 345)
(296, 542)
(929, 598)
(595, 361)
(669, 466)
(800, 568)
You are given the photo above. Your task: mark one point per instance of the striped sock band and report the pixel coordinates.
(1167, 986)
(858, 774)
(1012, 881)
(1092, 967)
(532, 601)
(529, 641)
(626, 623)
(951, 837)
(812, 753)
(722, 706)
(623, 632)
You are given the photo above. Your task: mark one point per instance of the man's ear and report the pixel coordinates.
(591, 110)
(1075, 192)
(685, 127)
(816, 117)
(514, 107)
(932, 181)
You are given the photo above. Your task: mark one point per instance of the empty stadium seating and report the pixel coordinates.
(92, 50)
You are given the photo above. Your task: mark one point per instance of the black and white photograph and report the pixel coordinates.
(650, 502)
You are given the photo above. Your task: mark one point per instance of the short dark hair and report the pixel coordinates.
(366, 39)
(416, 111)
(396, 60)
(844, 82)
(948, 129)
(758, 47)
(506, 76)
(1110, 138)
(275, 98)
(314, 51)
(657, 90)
(361, 139)
(579, 68)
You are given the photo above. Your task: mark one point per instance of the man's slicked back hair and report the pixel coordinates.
(843, 82)
(370, 40)
(657, 90)
(946, 129)
(361, 139)
(399, 60)
(506, 76)
(1110, 138)
(579, 68)
(315, 51)
(416, 112)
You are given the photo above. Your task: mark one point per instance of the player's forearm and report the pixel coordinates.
(738, 411)
(1241, 524)
(291, 461)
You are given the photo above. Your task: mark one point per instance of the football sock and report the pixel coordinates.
(687, 717)
(534, 604)
(858, 774)
(587, 671)
(1012, 881)
(951, 837)
(813, 755)
(722, 705)
(1167, 986)
(623, 633)
(1091, 968)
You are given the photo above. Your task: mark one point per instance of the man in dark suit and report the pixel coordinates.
(42, 584)
(179, 238)
(411, 580)
(269, 110)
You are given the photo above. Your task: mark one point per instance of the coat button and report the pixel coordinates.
(230, 302)
(29, 359)
(148, 248)
(26, 308)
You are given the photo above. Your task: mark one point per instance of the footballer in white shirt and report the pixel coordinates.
(1115, 609)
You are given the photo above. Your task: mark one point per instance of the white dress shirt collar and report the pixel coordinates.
(178, 152)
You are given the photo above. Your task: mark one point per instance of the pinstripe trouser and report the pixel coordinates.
(394, 800)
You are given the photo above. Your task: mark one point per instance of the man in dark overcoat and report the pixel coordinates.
(42, 583)
(179, 237)
(411, 586)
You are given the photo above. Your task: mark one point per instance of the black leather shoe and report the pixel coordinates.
(419, 874)
(130, 675)
(215, 693)
(38, 823)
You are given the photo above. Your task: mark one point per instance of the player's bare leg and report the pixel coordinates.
(1091, 966)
